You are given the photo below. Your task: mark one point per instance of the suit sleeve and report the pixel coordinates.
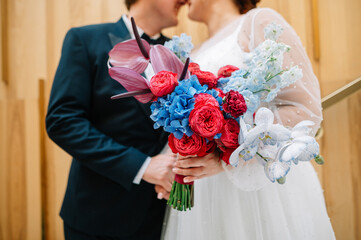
(68, 124)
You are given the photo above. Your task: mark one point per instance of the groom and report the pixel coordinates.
(115, 150)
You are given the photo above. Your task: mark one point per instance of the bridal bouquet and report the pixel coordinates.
(204, 112)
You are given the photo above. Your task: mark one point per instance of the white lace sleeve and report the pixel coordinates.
(299, 101)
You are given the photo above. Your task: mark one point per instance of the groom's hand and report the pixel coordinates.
(198, 167)
(159, 171)
(161, 192)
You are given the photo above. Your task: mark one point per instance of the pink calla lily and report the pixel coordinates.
(164, 59)
(127, 54)
(130, 58)
(133, 82)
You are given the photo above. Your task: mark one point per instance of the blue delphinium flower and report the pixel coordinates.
(264, 75)
(273, 31)
(181, 46)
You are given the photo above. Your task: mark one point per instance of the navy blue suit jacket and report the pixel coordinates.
(108, 139)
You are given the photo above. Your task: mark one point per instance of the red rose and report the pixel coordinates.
(207, 121)
(163, 83)
(234, 104)
(193, 67)
(206, 78)
(226, 153)
(226, 71)
(203, 99)
(210, 147)
(187, 146)
(230, 133)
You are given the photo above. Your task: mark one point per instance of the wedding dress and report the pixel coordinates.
(241, 203)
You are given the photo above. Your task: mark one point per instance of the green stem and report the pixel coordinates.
(179, 200)
(189, 197)
(262, 91)
(261, 156)
(275, 75)
(182, 192)
(170, 200)
(175, 196)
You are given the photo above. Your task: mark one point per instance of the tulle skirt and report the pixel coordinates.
(294, 210)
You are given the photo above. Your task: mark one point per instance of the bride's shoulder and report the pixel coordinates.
(260, 13)
(260, 17)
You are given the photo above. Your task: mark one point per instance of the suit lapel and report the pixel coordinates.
(119, 34)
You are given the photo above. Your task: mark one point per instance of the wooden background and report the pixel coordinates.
(33, 170)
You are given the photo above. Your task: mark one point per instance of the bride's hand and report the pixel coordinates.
(161, 192)
(198, 167)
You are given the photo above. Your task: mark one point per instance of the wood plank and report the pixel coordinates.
(354, 103)
(32, 169)
(3, 43)
(3, 172)
(16, 172)
(337, 178)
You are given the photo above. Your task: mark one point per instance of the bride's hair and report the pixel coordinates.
(129, 3)
(246, 5)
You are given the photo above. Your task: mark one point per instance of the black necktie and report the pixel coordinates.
(161, 40)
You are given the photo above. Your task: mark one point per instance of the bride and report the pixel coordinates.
(241, 203)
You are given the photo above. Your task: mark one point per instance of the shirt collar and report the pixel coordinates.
(128, 24)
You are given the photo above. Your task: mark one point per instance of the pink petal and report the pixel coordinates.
(163, 59)
(132, 81)
(127, 54)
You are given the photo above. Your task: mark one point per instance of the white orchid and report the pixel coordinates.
(276, 170)
(260, 138)
(301, 147)
(274, 146)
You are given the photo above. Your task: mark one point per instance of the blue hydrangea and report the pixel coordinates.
(222, 82)
(172, 111)
(181, 46)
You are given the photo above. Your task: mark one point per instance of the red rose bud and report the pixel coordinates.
(203, 99)
(206, 78)
(207, 121)
(234, 104)
(163, 83)
(207, 149)
(230, 133)
(220, 92)
(193, 67)
(188, 146)
(226, 71)
(225, 154)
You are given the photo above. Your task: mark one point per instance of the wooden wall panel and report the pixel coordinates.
(20, 195)
(339, 63)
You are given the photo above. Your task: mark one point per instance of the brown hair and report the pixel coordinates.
(129, 3)
(246, 5)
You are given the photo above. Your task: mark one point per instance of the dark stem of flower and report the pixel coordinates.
(261, 157)
(131, 94)
(185, 70)
(139, 41)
